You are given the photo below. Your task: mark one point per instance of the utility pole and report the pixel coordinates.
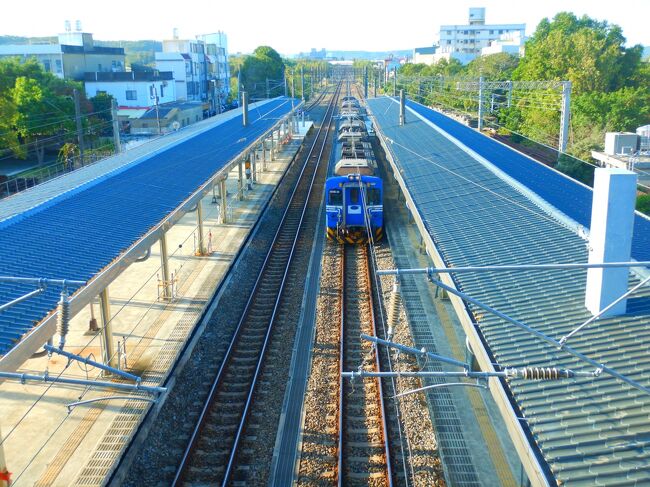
(395, 81)
(293, 85)
(268, 90)
(239, 86)
(286, 87)
(155, 100)
(365, 81)
(480, 103)
(565, 115)
(80, 133)
(302, 83)
(116, 127)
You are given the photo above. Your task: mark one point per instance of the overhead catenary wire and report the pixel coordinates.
(13, 429)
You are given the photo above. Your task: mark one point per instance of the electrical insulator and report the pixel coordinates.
(63, 318)
(540, 373)
(393, 310)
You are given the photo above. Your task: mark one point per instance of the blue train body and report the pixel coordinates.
(354, 208)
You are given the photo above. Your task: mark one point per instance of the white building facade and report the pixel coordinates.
(187, 60)
(74, 55)
(465, 42)
(133, 89)
(216, 48)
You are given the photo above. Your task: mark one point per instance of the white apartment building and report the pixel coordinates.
(216, 49)
(187, 61)
(74, 55)
(133, 89)
(465, 42)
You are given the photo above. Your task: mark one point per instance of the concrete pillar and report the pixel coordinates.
(244, 112)
(480, 103)
(402, 107)
(199, 218)
(263, 157)
(565, 115)
(610, 238)
(164, 266)
(240, 182)
(272, 151)
(254, 164)
(108, 348)
(223, 193)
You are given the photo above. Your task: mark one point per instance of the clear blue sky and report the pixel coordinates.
(292, 26)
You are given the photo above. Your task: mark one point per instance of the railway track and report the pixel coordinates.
(363, 447)
(210, 456)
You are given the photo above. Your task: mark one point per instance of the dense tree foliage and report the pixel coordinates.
(610, 83)
(264, 64)
(37, 110)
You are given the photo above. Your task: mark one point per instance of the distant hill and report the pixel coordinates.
(27, 40)
(366, 55)
(137, 52)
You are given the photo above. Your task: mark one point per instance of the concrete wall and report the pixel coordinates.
(118, 90)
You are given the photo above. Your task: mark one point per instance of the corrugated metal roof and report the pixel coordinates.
(590, 432)
(77, 235)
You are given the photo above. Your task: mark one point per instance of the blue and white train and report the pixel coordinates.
(354, 194)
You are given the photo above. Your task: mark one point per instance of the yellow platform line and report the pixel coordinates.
(495, 449)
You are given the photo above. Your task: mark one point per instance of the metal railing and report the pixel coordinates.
(32, 177)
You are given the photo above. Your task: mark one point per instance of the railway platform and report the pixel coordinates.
(50, 441)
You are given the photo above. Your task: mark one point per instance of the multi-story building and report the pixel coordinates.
(216, 48)
(74, 55)
(187, 60)
(465, 42)
(134, 89)
(424, 55)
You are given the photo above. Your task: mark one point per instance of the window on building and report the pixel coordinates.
(448, 41)
(99, 67)
(47, 65)
(448, 32)
(59, 67)
(501, 32)
(491, 32)
(131, 95)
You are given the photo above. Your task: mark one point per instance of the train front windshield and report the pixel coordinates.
(336, 197)
(373, 196)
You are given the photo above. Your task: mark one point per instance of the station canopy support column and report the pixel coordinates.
(164, 266)
(199, 218)
(108, 347)
(253, 157)
(240, 182)
(223, 193)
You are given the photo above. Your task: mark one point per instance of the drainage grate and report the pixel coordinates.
(125, 423)
(456, 459)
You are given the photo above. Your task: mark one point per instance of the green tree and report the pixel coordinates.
(643, 203)
(36, 108)
(589, 53)
(264, 64)
(498, 66)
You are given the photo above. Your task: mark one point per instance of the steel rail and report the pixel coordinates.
(389, 468)
(327, 122)
(185, 460)
(380, 395)
(341, 367)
